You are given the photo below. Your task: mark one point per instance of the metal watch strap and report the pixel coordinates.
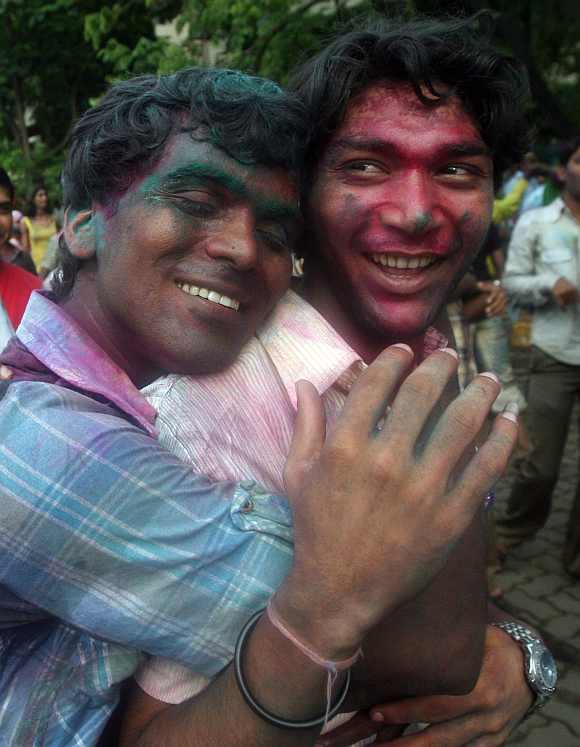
(523, 635)
(518, 632)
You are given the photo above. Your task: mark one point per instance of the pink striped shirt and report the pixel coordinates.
(238, 424)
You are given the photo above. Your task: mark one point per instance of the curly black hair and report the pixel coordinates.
(454, 55)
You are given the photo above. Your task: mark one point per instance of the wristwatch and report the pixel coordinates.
(539, 665)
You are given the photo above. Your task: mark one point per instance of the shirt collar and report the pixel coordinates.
(556, 209)
(303, 345)
(64, 347)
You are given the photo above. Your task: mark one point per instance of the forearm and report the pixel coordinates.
(434, 644)
(528, 290)
(495, 615)
(168, 550)
(220, 716)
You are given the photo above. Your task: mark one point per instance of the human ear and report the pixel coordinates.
(79, 232)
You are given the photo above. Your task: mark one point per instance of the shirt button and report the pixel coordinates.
(248, 506)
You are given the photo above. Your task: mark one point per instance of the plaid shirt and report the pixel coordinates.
(109, 545)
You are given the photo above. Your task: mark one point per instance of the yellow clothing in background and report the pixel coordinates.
(39, 236)
(505, 207)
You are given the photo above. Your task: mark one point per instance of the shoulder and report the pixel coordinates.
(537, 218)
(67, 414)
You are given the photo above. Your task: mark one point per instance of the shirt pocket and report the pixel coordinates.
(560, 261)
(554, 255)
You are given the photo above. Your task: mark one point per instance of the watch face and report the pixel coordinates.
(548, 670)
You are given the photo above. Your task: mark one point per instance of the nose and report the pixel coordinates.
(235, 241)
(411, 206)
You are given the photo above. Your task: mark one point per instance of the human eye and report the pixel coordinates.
(463, 173)
(196, 202)
(362, 166)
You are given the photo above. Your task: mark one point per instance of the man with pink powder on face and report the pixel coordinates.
(398, 200)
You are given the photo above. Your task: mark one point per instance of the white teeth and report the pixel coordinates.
(213, 296)
(402, 263)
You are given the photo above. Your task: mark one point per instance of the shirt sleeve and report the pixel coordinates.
(523, 278)
(106, 530)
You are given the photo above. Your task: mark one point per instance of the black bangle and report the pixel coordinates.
(281, 723)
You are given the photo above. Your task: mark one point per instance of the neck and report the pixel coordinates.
(366, 343)
(572, 203)
(84, 307)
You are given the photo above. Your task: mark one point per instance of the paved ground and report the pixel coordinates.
(539, 591)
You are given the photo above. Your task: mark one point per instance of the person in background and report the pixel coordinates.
(10, 249)
(38, 225)
(543, 271)
(16, 284)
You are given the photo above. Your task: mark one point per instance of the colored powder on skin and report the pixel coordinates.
(421, 222)
(195, 174)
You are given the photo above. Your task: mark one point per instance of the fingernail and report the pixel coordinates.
(510, 412)
(490, 375)
(403, 347)
(377, 716)
(449, 351)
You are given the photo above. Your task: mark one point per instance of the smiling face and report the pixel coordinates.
(400, 204)
(191, 259)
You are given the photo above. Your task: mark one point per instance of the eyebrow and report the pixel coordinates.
(464, 148)
(266, 207)
(207, 172)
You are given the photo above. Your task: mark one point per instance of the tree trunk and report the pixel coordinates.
(20, 120)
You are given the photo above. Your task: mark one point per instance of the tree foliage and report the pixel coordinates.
(49, 73)
(57, 56)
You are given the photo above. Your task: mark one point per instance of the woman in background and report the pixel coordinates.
(38, 226)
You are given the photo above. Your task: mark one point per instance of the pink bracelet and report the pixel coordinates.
(332, 667)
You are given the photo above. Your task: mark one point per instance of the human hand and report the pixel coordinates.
(485, 717)
(359, 727)
(377, 490)
(496, 297)
(564, 292)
